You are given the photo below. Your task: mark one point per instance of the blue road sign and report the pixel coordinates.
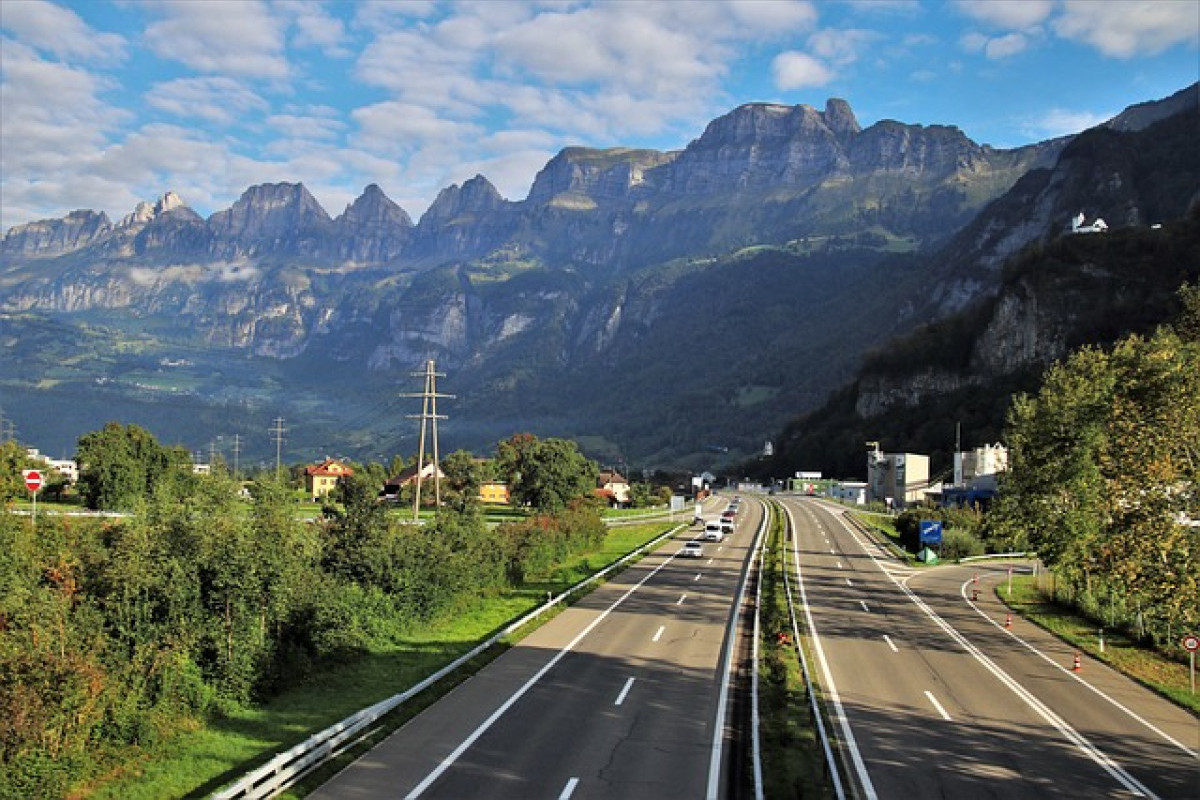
(931, 531)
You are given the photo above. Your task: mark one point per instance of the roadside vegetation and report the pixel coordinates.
(1104, 483)
(792, 760)
(184, 628)
(1032, 598)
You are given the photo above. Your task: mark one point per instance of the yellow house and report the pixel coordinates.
(319, 480)
(494, 492)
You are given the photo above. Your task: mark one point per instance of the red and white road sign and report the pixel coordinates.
(33, 479)
(1191, 643)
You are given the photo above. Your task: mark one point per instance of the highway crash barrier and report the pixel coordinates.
(287, 768)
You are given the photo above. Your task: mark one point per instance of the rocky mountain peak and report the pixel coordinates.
(839, 117)
(374, 209)
(270, 211)
(581, 175)
(476, 197)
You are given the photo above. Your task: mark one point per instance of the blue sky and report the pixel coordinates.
(105, 104)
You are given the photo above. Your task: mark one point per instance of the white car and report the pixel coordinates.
(714, 531)
(692, 550)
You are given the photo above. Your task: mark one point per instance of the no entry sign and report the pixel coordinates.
(33, 479)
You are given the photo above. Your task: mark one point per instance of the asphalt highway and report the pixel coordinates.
(616, 697)
(933, 694)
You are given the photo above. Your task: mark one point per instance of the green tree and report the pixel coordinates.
(546, 474)
(463, 479)
(120, 465)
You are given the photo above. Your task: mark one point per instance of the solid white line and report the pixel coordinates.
(863, 603)
(1079, 740)
(449, 760)
(890, 644)
(1166, 736)
(569, 789)
(624, 692)
(682, 597)
(938, 706)
(658, 634)
(839, 713)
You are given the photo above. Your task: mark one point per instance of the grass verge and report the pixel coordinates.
(197, 762)
(792, 761)
(1164, 675)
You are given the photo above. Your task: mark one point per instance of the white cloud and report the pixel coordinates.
(1062, 122)
(1004, 46)
(316, 27)
(1009, 14)
(841, 47)
(1128, 28)
(61, 33)
(217, 99)
(795, 70)
(233, 37)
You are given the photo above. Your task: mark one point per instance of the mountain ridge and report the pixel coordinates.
(587, 309)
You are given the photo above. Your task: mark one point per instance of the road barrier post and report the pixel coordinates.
(1008, 620)
(1078, 665)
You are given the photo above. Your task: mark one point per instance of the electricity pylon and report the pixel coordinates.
(429, 419)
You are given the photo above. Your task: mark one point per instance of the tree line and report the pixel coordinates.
(1104, 479)
(116, 632)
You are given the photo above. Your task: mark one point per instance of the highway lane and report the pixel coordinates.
(616, 697)
(934, 699)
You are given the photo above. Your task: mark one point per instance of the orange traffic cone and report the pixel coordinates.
(1078, 666)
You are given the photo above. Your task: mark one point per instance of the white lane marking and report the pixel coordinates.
(682, 597)
(849, 582)
(698, 574)
(1041, 709)
(1193, 753)
(449, 760)
(569, 789)
(839, 564)
(658, 634)
(624, 692)
(888, 639)
(832, 552)
(708, 563)
(839, 712)
(938, 706)
(863, 603)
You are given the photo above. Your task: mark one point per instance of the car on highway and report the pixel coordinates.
(692, 550)
(726, 525)
(714, 531)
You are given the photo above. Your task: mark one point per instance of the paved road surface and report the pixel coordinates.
(616, 697)
(937, 698)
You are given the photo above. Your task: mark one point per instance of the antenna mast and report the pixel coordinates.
(429, 419)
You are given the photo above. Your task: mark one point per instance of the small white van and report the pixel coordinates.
(712, 531)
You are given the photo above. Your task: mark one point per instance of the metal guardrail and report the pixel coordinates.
(287, 768)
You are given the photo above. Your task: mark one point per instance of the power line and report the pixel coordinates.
(428, 414)
(277, 431)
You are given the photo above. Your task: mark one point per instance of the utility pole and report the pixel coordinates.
(237, 448)
(428, 415)
(277, 431)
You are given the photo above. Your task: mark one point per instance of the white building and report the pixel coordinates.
(898, 479)
(980, 467)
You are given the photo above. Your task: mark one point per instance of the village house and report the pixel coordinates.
(613, 487)
(319, 480)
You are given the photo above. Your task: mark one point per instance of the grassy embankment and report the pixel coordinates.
(1151, 668)
(792, 761)
(202, 760)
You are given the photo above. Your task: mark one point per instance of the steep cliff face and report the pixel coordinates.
(52, 237)
(372, 229)
(271, 218)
